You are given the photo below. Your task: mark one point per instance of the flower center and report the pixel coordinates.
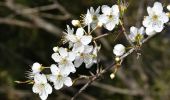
(155, 17)
(64, 61)
(59, 77)
(94, 17)
(41, 87)
(110, 17)
(138, 37)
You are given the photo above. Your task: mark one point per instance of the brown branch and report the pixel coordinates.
(125, 33)
(16, 22)
(95, 77)
(118, 90)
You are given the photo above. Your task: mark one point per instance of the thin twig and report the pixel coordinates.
(95, 77)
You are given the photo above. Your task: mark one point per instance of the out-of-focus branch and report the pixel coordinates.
(118, 90)
(16, 22)
(34, 15)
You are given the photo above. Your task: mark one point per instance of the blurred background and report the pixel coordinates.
(29, 29)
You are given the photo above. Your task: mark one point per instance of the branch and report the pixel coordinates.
(95, 77)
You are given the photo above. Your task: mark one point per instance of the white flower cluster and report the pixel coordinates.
(154, 23)
(83, 48)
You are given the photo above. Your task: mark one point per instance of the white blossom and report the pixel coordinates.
(119, 50)
(81, 40)
(58, 78)
(91, 18)
(136, 35)
(41, 86)
(64, 60)
(86, 56)
(156, 19)
(110, 16)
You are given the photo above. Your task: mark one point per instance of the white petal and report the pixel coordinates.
(110, 26)
(115, 9)
(89, 65)
(103, 19)
(86, 39)
(48, 88)
(150, 11)
(43, 95)
(67, 81)
(35, 88)
(54, 69)
(158, 7)
(40, 78)
(80, 32)
(88, 58)
(106, 10)
(147, 21)
(78, 61)
(58, 84)
(133, 30)
(141, 30)
(66, 69)
(88, 49)
(71, 37)
(88, 18)
(158, 28)
(63, 52)
(97, 10)
(71, 56)
(164, 18)
(78, 47)
(150, 31)
(56, 57)
(52, 78)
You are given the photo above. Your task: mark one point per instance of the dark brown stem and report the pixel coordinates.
(95, 77)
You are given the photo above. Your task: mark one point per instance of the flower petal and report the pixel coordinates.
(63, 52)
(67, 81)
(115, 10)
(157, 8)
(54, 69)
(40, 78)
(88, 49)
(80, 32)
(56, 57)
(150, 31)
(48, 88)
(43, 95)
(78, 61)
(58, 84)
(106, 10)
(86, 39)
(71, 56)
(36, 88)
(110, 26)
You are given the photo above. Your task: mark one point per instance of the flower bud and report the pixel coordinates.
(55, 49)
(119, 50)
(112, 75)
(36, 67)
(168, 7)
(75, 22)
(99, 24)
